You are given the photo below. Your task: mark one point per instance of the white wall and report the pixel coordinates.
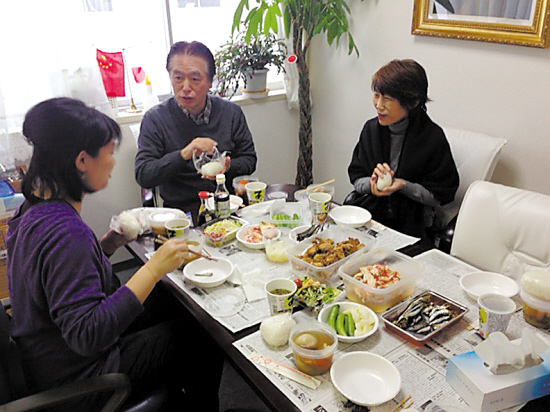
(501, 90)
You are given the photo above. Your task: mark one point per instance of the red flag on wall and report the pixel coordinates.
(111, 66)
(139, 74)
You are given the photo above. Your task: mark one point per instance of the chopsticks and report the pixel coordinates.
(402, 404)
(162, 239)
(328, 182)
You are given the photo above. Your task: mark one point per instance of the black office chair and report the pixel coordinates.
(15, 397)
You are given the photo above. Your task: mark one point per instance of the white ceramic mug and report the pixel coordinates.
(495, 311)
(278, 300)
(319, 204)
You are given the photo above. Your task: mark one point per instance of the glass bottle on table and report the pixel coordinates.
(205, 215)
(221, 198)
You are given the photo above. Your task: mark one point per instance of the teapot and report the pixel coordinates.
(209, 164)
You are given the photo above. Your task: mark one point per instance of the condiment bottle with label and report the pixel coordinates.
(221, 198)
(205, 215)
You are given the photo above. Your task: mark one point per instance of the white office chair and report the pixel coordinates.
(503, 229)
(475, 156)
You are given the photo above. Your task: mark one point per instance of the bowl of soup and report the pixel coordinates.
(313, 344)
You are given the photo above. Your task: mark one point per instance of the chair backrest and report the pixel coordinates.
(12, 384)
(503, 229)
(475, 156)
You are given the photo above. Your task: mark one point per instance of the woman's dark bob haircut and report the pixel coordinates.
(193, 49)
(404, 80)
(59, 129)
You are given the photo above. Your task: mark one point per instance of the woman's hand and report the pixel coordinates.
(111, 241)
(379, 171)
(168, 257)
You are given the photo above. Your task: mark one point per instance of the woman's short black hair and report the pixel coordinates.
(404, 80)
(59, 129)
(193, 49)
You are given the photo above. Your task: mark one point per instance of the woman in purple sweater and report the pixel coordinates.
(70, 317)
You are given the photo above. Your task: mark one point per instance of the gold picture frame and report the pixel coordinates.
(519, 22)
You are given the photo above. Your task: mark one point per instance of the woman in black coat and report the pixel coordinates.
(402, 166)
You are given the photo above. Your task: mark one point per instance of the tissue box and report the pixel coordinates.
(486, 392)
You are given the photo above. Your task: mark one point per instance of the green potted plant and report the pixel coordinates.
(303, 20)
(241, 62)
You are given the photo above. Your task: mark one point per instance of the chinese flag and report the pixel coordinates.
(111, 66)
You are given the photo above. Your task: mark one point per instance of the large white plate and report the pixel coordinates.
(156, 217)
(235, 202)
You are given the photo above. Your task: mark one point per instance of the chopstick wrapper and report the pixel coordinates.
(284, 370)
(253, 284)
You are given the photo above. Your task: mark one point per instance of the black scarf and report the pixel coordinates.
(425, 159)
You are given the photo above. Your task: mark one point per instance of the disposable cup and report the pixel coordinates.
(177, 227)
(255, 191)
(319, 204)
(495, 311)
(279, 293)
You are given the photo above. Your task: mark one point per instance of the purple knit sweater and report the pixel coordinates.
(67, 315)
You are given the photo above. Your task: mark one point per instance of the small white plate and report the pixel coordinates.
(350, 216)
(224, 302)
(221, 270)
(234, 201)
(344, 306)
(476, 284)
(250, 245)
(365, 378)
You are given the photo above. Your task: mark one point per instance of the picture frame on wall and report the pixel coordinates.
(518, 22)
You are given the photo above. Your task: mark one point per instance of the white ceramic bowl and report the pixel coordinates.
(476, 284)
(158, 216)
(350, 216)
(323, 316)
(292, 234)
(221, 270)
(365, 378)
(234, 203)
(259, 245)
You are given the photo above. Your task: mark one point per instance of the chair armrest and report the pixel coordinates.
(118, 383)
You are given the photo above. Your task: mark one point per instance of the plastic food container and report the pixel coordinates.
(288, 214)
(239, 183)
(337, 234)
(224, 239)
(305, 339)
(535, 311)
(377, 299)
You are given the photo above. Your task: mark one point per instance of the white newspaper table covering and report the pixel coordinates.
(422, 368)
(247, 260)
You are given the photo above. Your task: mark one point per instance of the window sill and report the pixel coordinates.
(124, 117)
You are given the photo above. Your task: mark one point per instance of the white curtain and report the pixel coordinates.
(44, 53)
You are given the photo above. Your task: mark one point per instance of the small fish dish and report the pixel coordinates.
(421, 317)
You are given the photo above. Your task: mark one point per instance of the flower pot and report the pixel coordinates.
(256, 82)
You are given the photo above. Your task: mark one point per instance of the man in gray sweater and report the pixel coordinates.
(191, 120)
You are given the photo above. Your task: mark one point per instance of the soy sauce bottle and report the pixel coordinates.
(221, 198)
(205, 215)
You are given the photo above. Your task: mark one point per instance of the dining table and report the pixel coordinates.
(230, 339)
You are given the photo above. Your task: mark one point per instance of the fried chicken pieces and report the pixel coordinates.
(323, 252)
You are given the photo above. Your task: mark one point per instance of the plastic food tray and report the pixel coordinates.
(290, 209)
(389, 316)
(377, 299)
(337, 234)
(230, 236)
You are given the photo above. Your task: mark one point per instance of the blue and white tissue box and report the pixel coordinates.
(486, 392)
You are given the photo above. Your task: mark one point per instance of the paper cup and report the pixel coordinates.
(495, 311)
(319, 204)
(177, 227)
(279, 293)
(255, 191)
